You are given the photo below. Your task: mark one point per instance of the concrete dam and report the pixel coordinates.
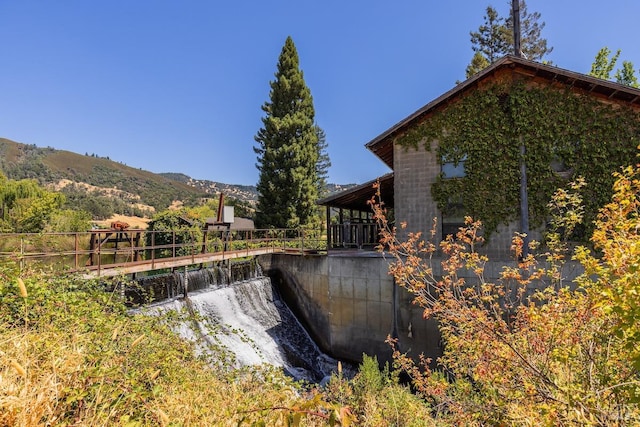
(302, 313)
(349, 304)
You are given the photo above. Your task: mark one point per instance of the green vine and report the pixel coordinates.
(484, 129)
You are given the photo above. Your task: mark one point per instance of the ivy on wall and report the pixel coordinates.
(576, 133)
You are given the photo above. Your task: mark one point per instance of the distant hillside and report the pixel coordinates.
(92, 174)
(247, 193)
(103, 187)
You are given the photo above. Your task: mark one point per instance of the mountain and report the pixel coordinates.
(76, 173)
(245, 193)
(104, 187)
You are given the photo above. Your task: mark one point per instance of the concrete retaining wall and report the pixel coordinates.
(350, 305)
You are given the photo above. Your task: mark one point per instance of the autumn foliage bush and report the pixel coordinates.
(529, 348)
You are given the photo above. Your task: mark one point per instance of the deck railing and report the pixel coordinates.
(354, 235)
(98, 249)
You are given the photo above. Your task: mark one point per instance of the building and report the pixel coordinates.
(462, 154)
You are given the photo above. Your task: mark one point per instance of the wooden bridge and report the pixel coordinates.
(114, 252)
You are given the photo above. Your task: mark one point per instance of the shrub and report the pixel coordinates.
(553, 357)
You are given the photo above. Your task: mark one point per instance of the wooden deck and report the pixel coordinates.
(110, 270)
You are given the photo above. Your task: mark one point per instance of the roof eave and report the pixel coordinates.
(604, 87)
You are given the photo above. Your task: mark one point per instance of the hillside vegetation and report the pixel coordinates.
(104, 187)
(49, 166)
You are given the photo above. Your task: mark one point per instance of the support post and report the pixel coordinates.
(186, 282)
(328, 227)
(75, 250)
(524, 200)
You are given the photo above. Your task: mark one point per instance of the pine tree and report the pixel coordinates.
(491, 39)
(324, 162)
(533, 45)
(478, 63)
(287, 149)
(494, 38)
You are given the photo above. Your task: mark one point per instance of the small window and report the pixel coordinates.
(560, 168)
(453, 169)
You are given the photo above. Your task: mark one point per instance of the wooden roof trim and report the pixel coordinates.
(358, 196)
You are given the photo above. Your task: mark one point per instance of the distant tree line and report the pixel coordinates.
(27, 207)
(102, 207)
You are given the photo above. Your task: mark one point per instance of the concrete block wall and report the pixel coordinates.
(415, 172)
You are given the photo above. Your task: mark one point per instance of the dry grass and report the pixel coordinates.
(77, 358)
(72, 355)
(133, 221)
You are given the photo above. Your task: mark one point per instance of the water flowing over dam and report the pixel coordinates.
(247, 318)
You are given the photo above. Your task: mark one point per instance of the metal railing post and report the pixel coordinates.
(21, 253)
(75, 246)
(153, 249)
(193, 247)
(99, 254)
(301, 237)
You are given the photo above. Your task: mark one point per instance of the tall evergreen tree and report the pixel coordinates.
(478, 63)
(324, 162)
(494, 38)
(533, 45)
(491, 39)
(287, 149)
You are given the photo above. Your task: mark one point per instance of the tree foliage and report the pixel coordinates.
(527, 349)
(288, 149)
(491, 40)
(26, 207)
(171, 227)
(324, 162)
(604, 64)
(627, 75)
(478, 63)
(494, 38)
(614, 272)
(533, 46)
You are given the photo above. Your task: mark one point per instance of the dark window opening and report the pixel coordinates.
(453, 217)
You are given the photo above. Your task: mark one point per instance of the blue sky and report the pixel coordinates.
(177, 86)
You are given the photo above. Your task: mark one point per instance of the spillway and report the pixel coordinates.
(246, 323)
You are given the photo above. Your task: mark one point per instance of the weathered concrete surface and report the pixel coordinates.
(350, 305)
